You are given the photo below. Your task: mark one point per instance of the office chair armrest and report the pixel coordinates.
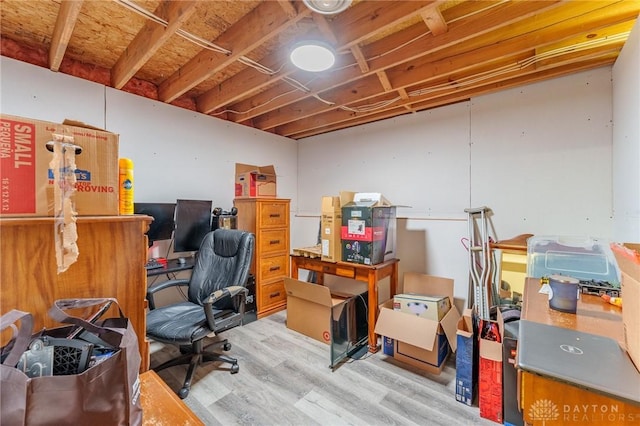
(218, 295)
(231, 291)
(162, 286)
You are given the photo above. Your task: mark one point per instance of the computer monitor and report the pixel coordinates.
(163, 224)
(193, 222)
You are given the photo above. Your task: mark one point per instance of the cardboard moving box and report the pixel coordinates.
(368, 230)
(420, 342)
(337, 318)
(255, 181)
(628, 259)
(28, 181)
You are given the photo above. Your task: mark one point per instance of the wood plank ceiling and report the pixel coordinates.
(228, 59)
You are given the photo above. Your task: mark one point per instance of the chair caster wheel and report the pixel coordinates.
(235, 368)
(226, 346)
(183, 393)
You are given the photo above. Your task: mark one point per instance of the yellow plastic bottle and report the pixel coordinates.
(126, 186)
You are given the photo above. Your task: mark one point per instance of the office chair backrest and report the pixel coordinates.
(223, 260)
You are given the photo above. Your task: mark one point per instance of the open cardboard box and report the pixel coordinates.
(255, 181)
(420, 342)
(336, 316)
(628, 259)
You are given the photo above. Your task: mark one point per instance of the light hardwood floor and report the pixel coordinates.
(285, 379)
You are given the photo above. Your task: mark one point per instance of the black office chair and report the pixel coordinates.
(216, 298)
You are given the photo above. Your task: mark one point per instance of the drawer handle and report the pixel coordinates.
(274, 242)
(276, 294)
(274, 268)
(274, 215)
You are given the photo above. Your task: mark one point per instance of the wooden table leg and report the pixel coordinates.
(294, 268)
(372, 283)
(393, 285)
(373, 278)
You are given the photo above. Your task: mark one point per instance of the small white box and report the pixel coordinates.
(430, 307)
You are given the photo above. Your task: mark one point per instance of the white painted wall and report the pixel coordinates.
(539, 156)
(34, 92)
(183, 154)
(176, 153)
(626, 141)
(417, 160)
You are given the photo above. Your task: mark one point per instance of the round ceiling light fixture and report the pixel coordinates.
(327, 7)
(313, 56)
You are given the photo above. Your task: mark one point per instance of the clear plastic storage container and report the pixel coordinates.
(584, 258)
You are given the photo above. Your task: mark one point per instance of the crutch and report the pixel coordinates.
(479, 258)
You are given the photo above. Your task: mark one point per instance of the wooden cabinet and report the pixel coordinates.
(268, 219)
(112, 254)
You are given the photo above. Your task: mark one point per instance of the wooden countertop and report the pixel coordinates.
(161, 406)
(593, 314)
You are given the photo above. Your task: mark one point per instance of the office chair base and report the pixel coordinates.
(195, 356)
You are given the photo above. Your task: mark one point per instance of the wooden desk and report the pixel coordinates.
(365, 273)
(574, 405)
(161, 406)
(173, 266)
(592, 315)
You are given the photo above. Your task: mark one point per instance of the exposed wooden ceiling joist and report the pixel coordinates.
(397, 49)
(229, 59)
(457, 58)
(266, 21)
(149, 39)
(65, 22)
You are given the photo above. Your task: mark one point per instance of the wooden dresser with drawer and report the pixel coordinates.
(268, 219)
